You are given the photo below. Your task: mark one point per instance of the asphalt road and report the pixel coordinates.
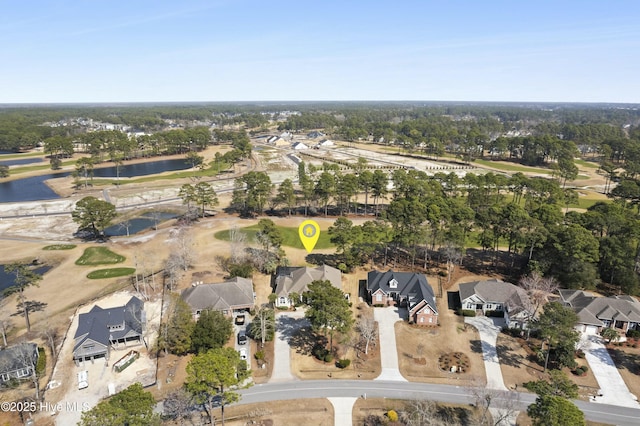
(603, 413)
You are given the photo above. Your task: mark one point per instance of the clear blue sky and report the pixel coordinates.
(244, 50)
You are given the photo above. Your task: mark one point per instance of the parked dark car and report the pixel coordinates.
(242, 337)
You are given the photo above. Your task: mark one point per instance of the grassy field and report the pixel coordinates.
(110, 273)
(508, 167)
(59, 247)
(289, 236)
(99, 256)
(589, 164)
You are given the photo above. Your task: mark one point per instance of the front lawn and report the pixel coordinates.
(110, 273)
(99, 256)
(290, 236)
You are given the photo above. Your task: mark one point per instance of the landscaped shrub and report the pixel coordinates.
(41, 365)
(320, 352)
(259, 355)
(328, 358)
(494, 314)
(343, 363)
(585, 368)
(392, 415)
(633, 334)
(466, 312)
(580, 353)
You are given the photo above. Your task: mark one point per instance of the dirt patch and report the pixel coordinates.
(451, 335)
(292, 412)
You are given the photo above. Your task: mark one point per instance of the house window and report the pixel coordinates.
(283, 300)
(23, 372)
(378, 297)
(4, 377)
(469, 305)
(393, 283)
(430, 320)
(225, 312)
(421, 319)
(489, 306)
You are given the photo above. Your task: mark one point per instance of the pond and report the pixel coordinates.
(7, 279)
(34, 188)
(20, 161)
(138, 224)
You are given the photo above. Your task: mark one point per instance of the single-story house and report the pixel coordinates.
(277, 141)
(298, 146)
(405, 289)
(234, 295)
(101, 329)
(596, 313)
(499, 296)
(297, 279)
(18, 361)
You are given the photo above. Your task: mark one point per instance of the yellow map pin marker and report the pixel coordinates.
(309, 232)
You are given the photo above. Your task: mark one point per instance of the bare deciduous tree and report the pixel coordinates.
(494, 407)
(5, 326)
(427, 413)
(453, 256)
(172, 271)
(538, 289)
(178, 404)
(51, 336)
(26, 356)
(238, 244)
(368, 331)
(183, 247)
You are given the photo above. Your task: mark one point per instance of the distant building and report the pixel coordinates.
(298, 146)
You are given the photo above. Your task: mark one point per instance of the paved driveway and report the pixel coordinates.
(613, 389)
(488, 328)
(287, 323)
(386, 318)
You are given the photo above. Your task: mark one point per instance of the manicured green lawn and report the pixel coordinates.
(110, 273)
(99, 256)
(59, 247)
(289, 236)
(511, 167)
(589, 164)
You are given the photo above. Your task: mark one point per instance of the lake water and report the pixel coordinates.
(34, 188)
(138, 224)
(20, 161)
(7, 279)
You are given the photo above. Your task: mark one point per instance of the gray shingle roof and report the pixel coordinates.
(296, 279)
(494, 290)
(17, 356)
(409, 284)
(94, 325)
(235, 293)
(592, 309)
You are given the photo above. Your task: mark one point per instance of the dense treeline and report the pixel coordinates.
(426, 218)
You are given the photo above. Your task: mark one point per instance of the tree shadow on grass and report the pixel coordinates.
(507, 357)
(476, 346)
(622, 359)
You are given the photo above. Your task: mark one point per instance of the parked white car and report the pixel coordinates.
(243, 354)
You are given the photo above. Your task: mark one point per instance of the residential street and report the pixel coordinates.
(608, 414)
